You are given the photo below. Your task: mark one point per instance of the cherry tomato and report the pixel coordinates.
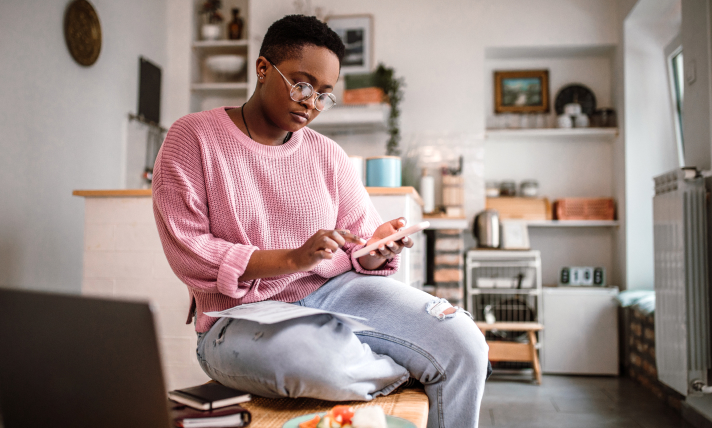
(346, 413)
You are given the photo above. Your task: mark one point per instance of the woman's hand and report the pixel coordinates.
(377, 258)
(320, 246)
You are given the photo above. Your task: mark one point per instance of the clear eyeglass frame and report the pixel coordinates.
(302, 91)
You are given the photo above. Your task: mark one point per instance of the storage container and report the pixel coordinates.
(585, 209)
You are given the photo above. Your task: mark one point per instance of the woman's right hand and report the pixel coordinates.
(320, 246)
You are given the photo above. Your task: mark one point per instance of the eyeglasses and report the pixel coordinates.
(302, 91)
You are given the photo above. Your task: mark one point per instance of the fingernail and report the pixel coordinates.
(381, 248)
(402, 221)
(373, 253)
(391, 244)
(405, 239)
(361, 241)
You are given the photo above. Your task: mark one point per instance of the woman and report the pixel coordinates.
(251, 205)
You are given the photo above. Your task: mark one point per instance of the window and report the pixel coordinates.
(673, 56)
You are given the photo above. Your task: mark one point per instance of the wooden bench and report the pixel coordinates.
(512, 351)
(407, 403)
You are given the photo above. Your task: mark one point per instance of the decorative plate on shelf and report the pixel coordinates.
(392, 421)
(82, 32)
(575, 93)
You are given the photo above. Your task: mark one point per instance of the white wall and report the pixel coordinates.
(623, 8)
(649, 128)
(697, 108)
(63, 127)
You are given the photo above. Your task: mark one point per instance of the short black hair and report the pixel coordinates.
(286, 37)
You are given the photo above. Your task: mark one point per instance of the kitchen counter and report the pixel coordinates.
(372, 191)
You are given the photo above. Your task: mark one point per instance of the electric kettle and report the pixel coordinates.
(486, 229)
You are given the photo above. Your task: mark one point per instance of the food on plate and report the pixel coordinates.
(345, 417)
(369, 417)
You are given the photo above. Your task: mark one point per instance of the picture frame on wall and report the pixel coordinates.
(356, 31)
(521, 91)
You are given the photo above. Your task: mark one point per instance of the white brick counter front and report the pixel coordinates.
(123, 258)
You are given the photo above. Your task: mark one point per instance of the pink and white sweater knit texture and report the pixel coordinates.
(218, 196)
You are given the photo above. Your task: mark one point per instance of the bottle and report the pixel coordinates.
(234, 28)
(427, 191)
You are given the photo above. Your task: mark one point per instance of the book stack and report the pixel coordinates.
(209, 405)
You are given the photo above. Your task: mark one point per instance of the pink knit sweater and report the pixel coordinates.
(218, 196)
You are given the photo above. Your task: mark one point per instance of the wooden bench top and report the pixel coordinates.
(407, 403)
(510, 326)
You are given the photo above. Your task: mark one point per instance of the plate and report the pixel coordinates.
(575, 94)
(392, 421)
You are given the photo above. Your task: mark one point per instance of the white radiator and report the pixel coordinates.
(682, 305)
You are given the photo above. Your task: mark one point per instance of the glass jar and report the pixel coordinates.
(507, 188)
(492, 189)
(529, 188)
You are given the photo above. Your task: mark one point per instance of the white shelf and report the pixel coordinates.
(353, 118)
(552, 133)
(227, 86)
(446, 223)
(573, 223)
(203, 44)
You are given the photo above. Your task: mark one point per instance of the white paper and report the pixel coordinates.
(272, 312)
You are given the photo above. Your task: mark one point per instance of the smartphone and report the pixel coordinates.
(395, 237)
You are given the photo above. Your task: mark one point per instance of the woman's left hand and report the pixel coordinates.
(377, 258)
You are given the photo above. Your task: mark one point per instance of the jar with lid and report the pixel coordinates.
(491, 189)
(529, 188)
(507, 188)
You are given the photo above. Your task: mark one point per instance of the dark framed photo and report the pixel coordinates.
(356, 31)
(521, 91)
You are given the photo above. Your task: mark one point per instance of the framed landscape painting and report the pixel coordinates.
(356, 31)
(521, 91)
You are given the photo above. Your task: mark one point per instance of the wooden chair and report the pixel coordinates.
(511, 351)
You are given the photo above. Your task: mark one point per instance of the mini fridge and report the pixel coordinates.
(580, 330)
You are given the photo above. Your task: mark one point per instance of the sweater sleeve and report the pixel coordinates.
(204, 262)
(357, 214)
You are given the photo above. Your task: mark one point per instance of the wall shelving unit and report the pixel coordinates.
(567, 162)
(576, 162)
(208, 90)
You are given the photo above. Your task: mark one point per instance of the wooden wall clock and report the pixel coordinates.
(82, 32)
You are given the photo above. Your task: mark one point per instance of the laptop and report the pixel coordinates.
(73, 361)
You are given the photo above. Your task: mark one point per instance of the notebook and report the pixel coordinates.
(208, 396)
(72, 361)
(230, 416)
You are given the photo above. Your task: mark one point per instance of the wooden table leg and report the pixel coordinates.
(535, 357)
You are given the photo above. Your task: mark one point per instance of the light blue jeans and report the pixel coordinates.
(319, 357)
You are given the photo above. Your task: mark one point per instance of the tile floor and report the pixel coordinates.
(573, 401)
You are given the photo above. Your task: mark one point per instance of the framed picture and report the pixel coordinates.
(521, 91)
(356, 31)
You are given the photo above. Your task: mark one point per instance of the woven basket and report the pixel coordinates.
(585, 209)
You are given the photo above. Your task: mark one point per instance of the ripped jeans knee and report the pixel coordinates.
(442, 309)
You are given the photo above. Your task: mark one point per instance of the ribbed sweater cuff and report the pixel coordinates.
(232, 268)
(389, 268)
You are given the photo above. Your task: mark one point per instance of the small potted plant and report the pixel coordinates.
(213, 19)
(392, 86)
